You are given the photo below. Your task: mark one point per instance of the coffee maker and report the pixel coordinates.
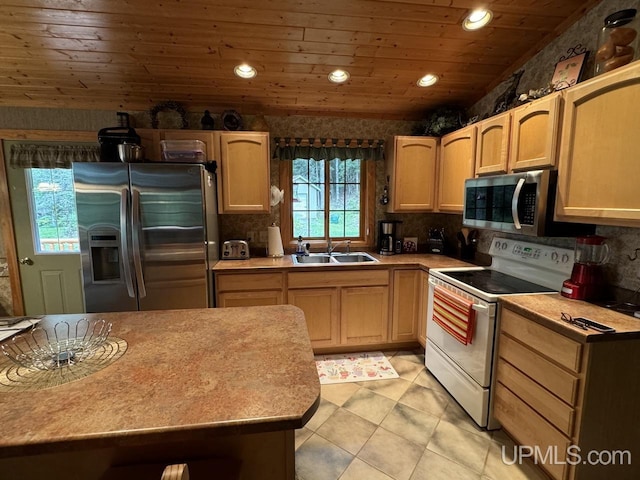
(586, 280)
(387, 235)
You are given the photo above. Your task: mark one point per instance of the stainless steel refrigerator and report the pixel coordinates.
(148, 235)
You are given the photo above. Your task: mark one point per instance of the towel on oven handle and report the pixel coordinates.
(454, 314)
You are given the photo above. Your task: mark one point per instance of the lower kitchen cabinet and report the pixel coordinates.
(422, 318)
(249, 289)
(320, 307)
(406, 310)
(554, 393)
(345, 308)
(364, 315)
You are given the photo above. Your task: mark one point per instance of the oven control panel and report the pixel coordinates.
(544, 256)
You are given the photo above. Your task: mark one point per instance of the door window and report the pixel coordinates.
(52, 208)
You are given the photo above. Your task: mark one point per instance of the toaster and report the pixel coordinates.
(235, 250)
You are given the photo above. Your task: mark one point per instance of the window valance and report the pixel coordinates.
(28, 155)
(328, 149)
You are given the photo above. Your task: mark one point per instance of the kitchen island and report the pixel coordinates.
(224, 386)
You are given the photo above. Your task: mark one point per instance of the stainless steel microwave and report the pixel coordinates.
(521, 203)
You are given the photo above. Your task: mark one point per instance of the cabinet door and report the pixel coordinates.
(208, 138)
(243, 172)
(249, 299)
(412, 173)
(320, 307)
(492, 150)
(457, 161)
(534, 137)
(598, 169)
(422, 319)
(364, 315)
(406, 305)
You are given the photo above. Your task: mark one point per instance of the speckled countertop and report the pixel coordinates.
(546, 310)
(425, 261)
(186, 374)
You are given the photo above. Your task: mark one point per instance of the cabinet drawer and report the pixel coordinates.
(550, 407)
(324, 278)
(249, 281)
(558, 381)
(558, 348)
(531, 430)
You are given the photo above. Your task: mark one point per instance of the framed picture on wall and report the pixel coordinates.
(568, 71)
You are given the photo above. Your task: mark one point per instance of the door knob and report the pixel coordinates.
(26, 261)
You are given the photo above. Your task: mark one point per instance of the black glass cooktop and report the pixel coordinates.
(496, 283)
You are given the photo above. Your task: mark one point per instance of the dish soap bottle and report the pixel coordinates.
(300, 248)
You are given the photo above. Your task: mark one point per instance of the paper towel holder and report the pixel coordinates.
(274, 246)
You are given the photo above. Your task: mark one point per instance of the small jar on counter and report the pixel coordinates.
(617, 41)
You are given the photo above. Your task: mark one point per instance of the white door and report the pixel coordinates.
(43, 213)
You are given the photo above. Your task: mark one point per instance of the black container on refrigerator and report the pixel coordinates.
(109, 138)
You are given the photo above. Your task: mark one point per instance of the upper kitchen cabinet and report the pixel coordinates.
(534, 136)
(411, 167)
(457, 160)
(492, 150)
(243, 172)
(598, 168)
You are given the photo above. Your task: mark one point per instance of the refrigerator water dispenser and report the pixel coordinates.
(105, 256)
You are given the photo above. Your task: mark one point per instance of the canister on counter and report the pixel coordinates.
(617, 41)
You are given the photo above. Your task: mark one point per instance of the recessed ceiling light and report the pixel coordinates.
(427, 80)
(245, 71)
(477, 19)
(339, 76)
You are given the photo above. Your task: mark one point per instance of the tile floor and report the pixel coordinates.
(408, 428)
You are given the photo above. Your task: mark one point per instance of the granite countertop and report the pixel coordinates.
(546, 310)
(420, 260)
(186, 374)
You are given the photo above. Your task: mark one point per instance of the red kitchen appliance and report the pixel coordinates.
(586, 280)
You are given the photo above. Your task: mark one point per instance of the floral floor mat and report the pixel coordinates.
(354, 367)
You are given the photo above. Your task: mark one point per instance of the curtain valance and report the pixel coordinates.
(27, 155)
(328, 149)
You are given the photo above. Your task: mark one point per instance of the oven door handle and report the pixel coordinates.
(479, 308)
(514, 203)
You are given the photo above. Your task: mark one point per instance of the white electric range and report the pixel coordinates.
(467, 371)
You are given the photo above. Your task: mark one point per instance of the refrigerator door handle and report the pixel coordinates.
(135, 237)
(124, 242)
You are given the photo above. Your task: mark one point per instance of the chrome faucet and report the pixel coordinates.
(331, 247)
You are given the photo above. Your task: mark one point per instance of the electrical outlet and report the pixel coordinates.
(264, 236)
(251, 236)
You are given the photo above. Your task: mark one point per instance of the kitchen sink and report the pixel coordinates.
(357, 257)
(314, 258)
(311, 258)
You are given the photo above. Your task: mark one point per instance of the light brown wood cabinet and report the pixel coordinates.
(320, 307)
(456, 164)
(553, 392)
(249, 289)
(534, 134)
(406, 310)
(349, 307)
(424, 297)
(243, 172)
(411, 167)
(492, 149)
(598, 173)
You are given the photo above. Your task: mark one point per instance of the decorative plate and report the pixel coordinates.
(231, 120)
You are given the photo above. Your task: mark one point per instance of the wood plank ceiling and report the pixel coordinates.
(134, 54)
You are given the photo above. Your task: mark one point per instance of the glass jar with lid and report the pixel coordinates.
(617, 41)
